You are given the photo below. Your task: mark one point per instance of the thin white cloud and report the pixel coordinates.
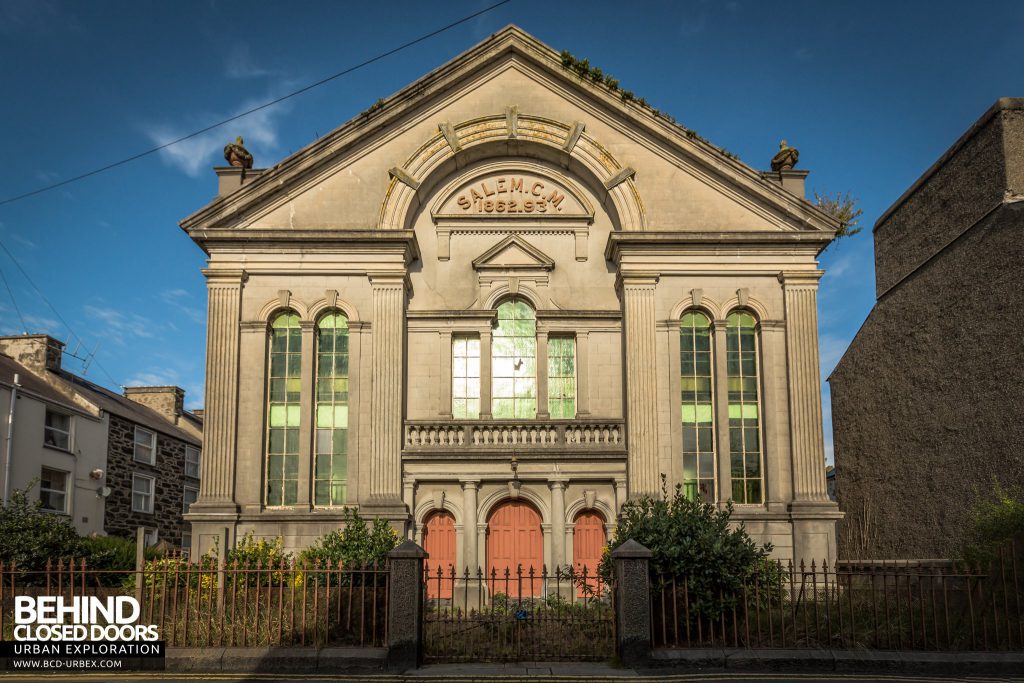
(180, 299)
(120, 326)
(239, 63)
(196, 155)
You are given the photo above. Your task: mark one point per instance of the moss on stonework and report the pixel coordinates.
(587, 72)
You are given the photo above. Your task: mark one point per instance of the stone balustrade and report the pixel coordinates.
(499, 436)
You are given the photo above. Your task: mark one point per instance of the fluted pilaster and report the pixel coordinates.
(470, 557)
(388, 296)
(641, 383)
(801, 294)
(224, 290)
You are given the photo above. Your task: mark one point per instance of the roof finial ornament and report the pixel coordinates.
(237, 155)
(786, 158)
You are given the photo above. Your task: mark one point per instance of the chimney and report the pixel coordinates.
(791, 180)
(168, 401)
(231, 178)
(199, 412)
(37, 352)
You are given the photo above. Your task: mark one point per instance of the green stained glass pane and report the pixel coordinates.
(277, 364)
(526, 408)
(555, 409)
(324, 390)
(705, 437)
(291, 492)
(748, 362)
(690, 490)
(750, 411)
(704, 413)
(689, 467)
(751, 441)
(294, 365)
(323, 445)
(291, 467)
(459, 410)
(753, 468)
(686, 361)
(324, 416)
(736, 465)
(323, 463)
(502, 408)
(291, 439)
(278, 342)
(339, 467)
(702, 364)
(293, 416)
(275, 466)
(523, 311)
(341, 365)
(735, 411)
(526, 388)
(276, 441)
(753, 490)
(322, 491)
(689, 413)
(273, 492)
(341, 417)
(278, 416)
(324, 342)
(340, 442)
(504, 346)
(294, 390)
(339, 492)
(737, 491)
(689, 439)
(277, 390)
(707, 464)
(341, 344)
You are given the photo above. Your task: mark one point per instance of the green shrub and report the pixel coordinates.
(997, 518)
(693, 540)
(31, 536)
(356, 544)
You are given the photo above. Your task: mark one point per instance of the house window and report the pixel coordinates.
(285, 379)
(151, 537)
(53, 490)
(191, 461)
(514, 361)
(57, 430)
(744, 408)
(562, 377)
(465, 377)
(189, 496)
(697, 407)
(330, 485)
(186, 543)
(145, 446)
(142, 493)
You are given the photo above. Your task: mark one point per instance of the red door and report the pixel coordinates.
(588, 543)
(514, 540)
(439, 542)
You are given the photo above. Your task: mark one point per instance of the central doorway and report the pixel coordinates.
(515, 545)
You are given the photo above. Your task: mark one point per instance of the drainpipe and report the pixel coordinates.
(10, 438)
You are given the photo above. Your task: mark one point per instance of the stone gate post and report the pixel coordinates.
(632, 603)
(405, 606)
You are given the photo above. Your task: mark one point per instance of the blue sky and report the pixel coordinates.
(870, 92)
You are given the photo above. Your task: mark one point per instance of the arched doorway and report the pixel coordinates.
(439, 542)
(588, 541)
(514, 540)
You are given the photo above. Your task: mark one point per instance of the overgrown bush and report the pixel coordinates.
(354, 545)
(31, 536)
(996, 519)
(693, 540)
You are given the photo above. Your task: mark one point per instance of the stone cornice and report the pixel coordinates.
(377, 241)
(225, 276)
(797, 278)
(671, 242)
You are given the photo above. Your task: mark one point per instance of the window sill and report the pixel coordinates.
(143, 512)
(66, 451)
(62, 513)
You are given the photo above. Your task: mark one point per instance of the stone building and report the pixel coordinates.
(928, 401)
(111, 463)
(498, 304)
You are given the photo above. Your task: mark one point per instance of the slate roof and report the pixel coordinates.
(35, 385)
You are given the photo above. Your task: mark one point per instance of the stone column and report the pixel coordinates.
(542, 375)
(721, 413)
(632, 603)
(641, 382)
(485, 374)
(582, 373)
(801, 294)
(221, 418)
(405, 606)
(388, 342)
(470, 552)
(445, 341)
(557, 487)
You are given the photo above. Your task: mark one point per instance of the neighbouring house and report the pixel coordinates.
(928, 401)
(112, 463)
(497, 305)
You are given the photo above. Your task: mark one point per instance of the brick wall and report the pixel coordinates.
(169, 473)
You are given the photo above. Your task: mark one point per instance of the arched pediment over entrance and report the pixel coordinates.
(516, 140)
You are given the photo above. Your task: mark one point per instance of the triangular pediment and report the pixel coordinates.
(513, 253)
(340, 181)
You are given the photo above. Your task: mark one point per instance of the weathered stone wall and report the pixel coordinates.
(927, 402)
(966, 183)
(169, 472)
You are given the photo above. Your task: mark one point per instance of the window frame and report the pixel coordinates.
(68, 434)
(65, 493)
(188, 462)
(151, 494)
(288, 454)
(759, 402)
(136, 444)
(467, 338)
(185, 489)
(712, 403)
(332, 403)
(553, 340)
(516, 397)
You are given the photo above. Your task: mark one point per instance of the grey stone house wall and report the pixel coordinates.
(169, 473)
(928, 401)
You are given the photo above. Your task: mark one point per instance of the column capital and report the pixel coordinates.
(558, 483)
(797, 278)
(632, 279)
(260, 326)
(771, 324)
(307, 325)
(233, 276)
(469, 484)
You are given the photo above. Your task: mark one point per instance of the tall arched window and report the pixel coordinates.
(744, 408)
(283, 413)
(330, 477)
(514, 361)
(697, 406)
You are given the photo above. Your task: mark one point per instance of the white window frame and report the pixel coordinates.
(151, 493)
(185, 506)
(189, 471)
(68, 434)
(66, 492)
(186, 543)
(136, 444)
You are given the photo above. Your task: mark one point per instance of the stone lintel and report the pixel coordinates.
(674, 241)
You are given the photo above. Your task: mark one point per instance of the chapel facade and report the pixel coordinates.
(496, 306)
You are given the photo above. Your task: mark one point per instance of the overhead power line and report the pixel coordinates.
(24, 327)
(265, 105)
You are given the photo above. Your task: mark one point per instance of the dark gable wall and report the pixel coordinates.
(169, 471)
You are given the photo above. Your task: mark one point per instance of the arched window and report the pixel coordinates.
(697, 391)
(744, 408)
(330, 471)
(514, 361)
(283, 413)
